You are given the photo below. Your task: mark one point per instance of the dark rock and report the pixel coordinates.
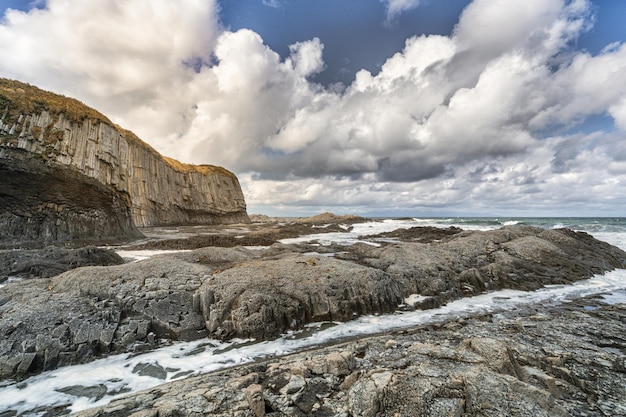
(53, 260)
(45, 202)
(95, 392)
(153, 370)
(422, 234)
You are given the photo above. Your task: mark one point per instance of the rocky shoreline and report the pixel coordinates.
(227, 290)
(557, 360)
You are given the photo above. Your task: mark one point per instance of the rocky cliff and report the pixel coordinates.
(70, 173)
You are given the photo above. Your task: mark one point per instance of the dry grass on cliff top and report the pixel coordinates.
(27, 99)
(21, 98)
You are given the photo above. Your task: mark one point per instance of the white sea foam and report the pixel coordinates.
(139, 255)
(10, 280)
(511, 222)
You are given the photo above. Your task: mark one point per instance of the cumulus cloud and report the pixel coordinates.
(460, 122)
(133, 60)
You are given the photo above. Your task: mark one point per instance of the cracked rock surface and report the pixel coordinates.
(223, 293)
(561, 360)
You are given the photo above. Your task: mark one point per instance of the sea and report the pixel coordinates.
(97, 383)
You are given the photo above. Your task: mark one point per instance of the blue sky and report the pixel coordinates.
(375, 107)
(357, 35)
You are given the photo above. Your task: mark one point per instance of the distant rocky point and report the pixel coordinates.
(71, 175)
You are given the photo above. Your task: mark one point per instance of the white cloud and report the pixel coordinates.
(455, 123)
(397, 7)
(272, 3)
(132, 60)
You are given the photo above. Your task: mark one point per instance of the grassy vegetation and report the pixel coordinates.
(17, 98)
(203, 169)
(22, 98)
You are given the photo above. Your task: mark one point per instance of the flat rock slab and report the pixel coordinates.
(53, 260)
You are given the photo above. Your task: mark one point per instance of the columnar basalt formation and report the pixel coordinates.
(60, 154)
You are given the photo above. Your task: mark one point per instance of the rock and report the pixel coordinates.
(153, 370)
(254, 396)
(70, 174)
(96, 392)
(223, 293)
(263, 299)
(337, 364)
(494, 394)
(53, 260)
(47, 202)
(447, 373)
(363, 399)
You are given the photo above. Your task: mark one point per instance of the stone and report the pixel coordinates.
(53, 260)
(93, 311)
(254, 396)
(153, 370)
(95, 392)
(434, 382)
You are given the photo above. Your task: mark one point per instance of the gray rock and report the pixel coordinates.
(53, 260)
(89, 312)
(95, 392)
(465, 371)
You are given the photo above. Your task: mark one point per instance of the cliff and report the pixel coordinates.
(70, 173)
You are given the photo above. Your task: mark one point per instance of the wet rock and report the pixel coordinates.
(153, 370)
(467, 371)
(95, 392)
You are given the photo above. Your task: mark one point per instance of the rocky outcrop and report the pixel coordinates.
(52, 260)
(565, 361)
(55, 150)
(239, 292)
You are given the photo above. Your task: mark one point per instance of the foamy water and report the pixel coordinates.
(140, 255)
(120, 374)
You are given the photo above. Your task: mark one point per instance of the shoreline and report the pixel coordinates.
(531, 357)
(230, 291)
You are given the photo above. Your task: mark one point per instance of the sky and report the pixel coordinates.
(373, 107)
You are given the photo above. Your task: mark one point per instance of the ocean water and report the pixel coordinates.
(118, 375)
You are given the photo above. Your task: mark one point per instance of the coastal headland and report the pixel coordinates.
(71, 176)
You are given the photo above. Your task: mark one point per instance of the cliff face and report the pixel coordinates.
(44, 136)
